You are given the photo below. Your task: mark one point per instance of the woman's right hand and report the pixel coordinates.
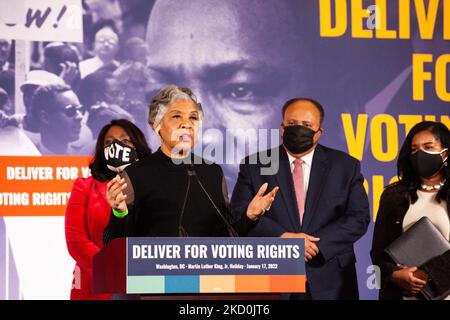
(406, 279)
(114, 194)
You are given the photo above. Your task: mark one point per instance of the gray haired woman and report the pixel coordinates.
(174, 192)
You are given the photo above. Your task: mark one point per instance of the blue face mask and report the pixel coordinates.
(427, 163)
(118, 156)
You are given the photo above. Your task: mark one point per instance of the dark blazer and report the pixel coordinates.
(158, 191)
(394, 204)
(336, 211)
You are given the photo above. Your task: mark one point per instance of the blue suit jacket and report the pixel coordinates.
(336, 211)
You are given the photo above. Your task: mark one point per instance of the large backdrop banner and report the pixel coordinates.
(378, 67)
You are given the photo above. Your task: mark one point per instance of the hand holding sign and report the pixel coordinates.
(118, 155)
(114, 194)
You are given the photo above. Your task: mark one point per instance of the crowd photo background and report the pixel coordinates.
(69, 67)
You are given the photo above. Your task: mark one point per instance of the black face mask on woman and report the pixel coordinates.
(118, 156)
(298, 139)
(427, 163)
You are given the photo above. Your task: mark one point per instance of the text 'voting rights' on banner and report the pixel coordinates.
(39, 186)
(42, 20)
(207, 265)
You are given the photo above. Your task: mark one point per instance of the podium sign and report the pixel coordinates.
(164, 265)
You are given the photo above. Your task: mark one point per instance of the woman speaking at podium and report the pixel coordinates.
(174, 192)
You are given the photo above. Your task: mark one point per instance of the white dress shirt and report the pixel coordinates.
(91, 65)
(306, 166)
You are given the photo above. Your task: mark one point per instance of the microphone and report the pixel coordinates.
(191, 170)
(231, 231)
(181, 231)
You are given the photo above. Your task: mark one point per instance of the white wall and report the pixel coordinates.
(42, 260)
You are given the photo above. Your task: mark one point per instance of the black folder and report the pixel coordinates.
(417, 245)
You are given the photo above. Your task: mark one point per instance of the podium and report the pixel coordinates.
(164, 268)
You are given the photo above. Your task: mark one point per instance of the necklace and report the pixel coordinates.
(432, 187)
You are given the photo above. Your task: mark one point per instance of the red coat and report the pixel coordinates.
(87, 215)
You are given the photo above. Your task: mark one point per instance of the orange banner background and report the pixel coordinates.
(61, 182)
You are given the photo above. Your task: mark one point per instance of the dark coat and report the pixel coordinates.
(394, 204)
(336, 211)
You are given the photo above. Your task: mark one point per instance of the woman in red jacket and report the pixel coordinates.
(119, 144)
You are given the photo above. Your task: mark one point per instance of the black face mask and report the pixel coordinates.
(118, 156)
(427, 164)
(298, 139)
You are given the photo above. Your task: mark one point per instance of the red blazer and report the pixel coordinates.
(87, 215)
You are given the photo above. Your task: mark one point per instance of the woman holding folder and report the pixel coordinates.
(422, 191)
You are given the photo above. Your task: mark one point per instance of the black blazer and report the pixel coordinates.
(394, 204)
(158, 192)
(336, 210)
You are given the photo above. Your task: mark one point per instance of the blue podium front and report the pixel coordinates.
(164, 265)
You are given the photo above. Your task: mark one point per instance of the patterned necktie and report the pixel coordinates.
(297, 176)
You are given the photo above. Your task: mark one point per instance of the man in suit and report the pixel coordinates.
(321, 199)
